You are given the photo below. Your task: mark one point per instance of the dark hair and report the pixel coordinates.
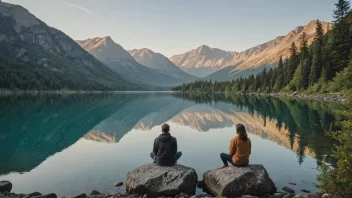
(165, 128)
(241, 130)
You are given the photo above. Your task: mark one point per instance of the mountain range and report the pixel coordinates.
(151, 68)
(35, 56)
(217, 64)
(159, 62)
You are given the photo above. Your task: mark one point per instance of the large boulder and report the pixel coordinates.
(236, 181)
(155, 180)
(5, 186)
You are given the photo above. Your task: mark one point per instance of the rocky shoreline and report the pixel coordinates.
(179, 181)
(330, 97)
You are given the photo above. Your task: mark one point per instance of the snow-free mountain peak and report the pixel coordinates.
(205, 60)
(158, 62)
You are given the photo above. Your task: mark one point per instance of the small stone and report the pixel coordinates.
(287, 189)
(292, 183)
(306, 191)
(5, 186)
(313, 195)
(93, 192)
(298, 196)
(184, 195)
(117, 184)
(83, 195)
(33, 194)
(289, 196)
(248, 196)
(51, 195)
(326, 195)
(145, 196)
(194, 196)
(279, 195)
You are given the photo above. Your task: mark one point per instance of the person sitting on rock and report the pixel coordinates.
(165, 148)
(240, 149)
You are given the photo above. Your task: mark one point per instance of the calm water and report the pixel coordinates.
(69, 144)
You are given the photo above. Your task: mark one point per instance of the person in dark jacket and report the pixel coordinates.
(165, 148)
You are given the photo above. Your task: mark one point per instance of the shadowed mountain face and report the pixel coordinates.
(35, 127)
(223, 66)
(120, 61)
(35, 56)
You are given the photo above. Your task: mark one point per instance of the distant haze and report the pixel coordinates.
(176, 27)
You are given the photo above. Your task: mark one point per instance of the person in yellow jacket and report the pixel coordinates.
(239, 150)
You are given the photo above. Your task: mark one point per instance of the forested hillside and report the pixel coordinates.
(324, 66)
(34, 56)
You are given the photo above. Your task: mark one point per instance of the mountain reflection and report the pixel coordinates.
(34, 127)
(294, 123)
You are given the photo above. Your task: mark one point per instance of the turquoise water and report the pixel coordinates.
(70, 144)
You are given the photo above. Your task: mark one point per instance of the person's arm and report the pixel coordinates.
(174, 151)
(232, 148)
(155, 147)
(250, 147)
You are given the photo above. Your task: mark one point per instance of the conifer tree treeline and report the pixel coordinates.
(315, 68)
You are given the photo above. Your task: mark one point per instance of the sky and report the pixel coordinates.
(174, 27)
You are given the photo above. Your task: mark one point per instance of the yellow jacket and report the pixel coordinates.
(240, 150)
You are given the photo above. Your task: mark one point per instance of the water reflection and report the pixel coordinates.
(41, 135)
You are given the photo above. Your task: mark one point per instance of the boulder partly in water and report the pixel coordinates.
(5, 186)
(155, 180)
(236, 181)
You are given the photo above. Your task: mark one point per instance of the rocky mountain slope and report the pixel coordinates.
(34, 56)
(249, 61)
(159, 62)
(120, 61)
(203, 60)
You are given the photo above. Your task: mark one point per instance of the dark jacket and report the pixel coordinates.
(165, 148)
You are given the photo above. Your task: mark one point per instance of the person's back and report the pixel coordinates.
(241, 150)
(165, 148)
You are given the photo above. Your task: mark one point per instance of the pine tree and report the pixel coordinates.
(304, 46)
(279, 84)
(342, 8)
(293, 61)
(317, 63)
(319, 33)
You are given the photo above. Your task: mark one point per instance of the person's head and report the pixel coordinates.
(241, 131)
(165, 128)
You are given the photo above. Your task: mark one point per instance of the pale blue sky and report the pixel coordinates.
(174, 27)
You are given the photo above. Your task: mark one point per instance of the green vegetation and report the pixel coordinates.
(338, 180)
(322, 67)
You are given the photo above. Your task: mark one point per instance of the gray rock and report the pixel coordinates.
(117, 184)
(287, 189)
(248, 196)
(83, 195)
(279, 195)
(312, 195)
(155, 180)
(326, 195)
(51, 195)
(33, 194)
(289, 195)
(93, 192)
(5, 186)
(236, 181)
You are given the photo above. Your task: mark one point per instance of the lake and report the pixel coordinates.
(72, 143)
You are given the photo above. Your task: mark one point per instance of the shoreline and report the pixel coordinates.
(331, 97)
